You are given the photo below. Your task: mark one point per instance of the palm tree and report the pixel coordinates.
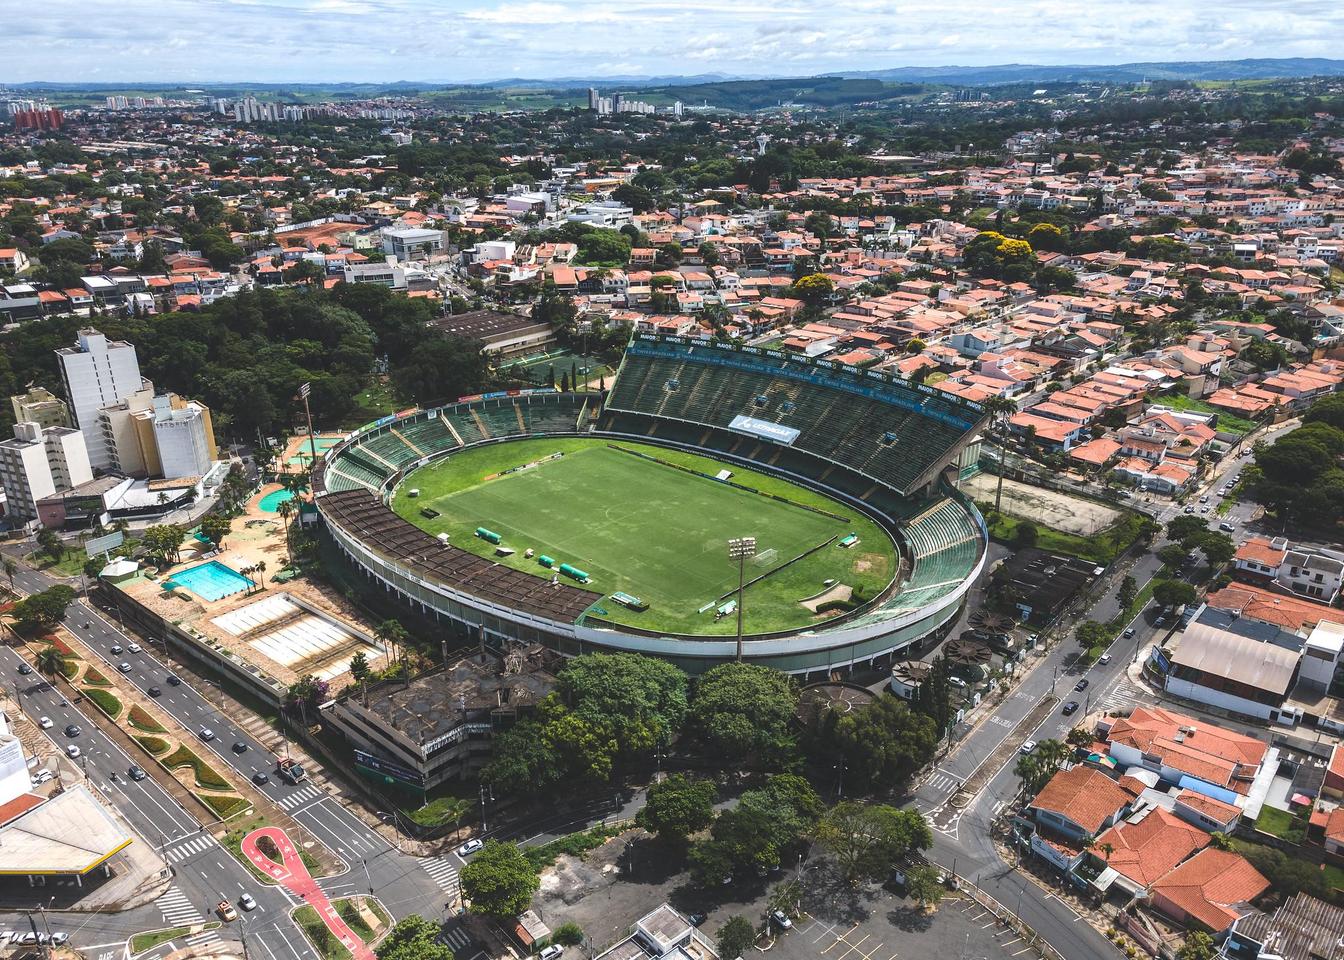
(260, 568)
(49, 661)
(394, 636)
(285, 509)
(1000, 410)
(359, 670)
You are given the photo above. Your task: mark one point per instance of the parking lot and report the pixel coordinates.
(896, 929)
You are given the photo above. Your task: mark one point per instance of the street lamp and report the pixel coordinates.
(739, 549)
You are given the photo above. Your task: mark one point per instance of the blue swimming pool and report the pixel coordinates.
(212, 580)
(271, 502)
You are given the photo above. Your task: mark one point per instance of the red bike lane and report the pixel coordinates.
(293, 875)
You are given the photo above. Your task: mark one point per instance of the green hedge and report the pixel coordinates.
(105, 700)
(155, 745)
(141, 720)
(223, 806)
(206, 776)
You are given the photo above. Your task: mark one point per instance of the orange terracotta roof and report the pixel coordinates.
(1083, 795)
(1148, 850)
(1210, 884)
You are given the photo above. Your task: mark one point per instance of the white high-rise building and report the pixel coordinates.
(97, 374)
(183, 436)
(593, 98)
(38, 462)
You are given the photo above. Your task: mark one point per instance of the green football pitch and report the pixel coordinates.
(652, 530)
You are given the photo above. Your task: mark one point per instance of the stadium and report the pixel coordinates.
(600, 522)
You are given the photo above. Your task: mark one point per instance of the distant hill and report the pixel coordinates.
(1256, 69)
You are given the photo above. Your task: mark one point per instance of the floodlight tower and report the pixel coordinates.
(739, 549)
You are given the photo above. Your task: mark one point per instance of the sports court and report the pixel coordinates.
(645, 528)
(290, 634)
(1054, 509)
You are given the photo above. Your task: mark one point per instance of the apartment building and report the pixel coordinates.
(98, 373)
(39, 461)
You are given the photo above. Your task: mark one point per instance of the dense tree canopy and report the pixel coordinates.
(745, 710)
(499, 881)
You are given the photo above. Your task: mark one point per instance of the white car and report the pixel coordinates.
(133, 647)
(1027, 747)
(207, 734)
(1104, 659)
(45, 723)
(470, 847)
(124, 667)
(551, 952)
(247, 902)
(72, 752)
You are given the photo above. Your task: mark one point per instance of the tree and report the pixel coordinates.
(1187, 529)
(1036, 768)
(568, 934)
(1000, 410)
(1218, 548)
(735, 937)
(359, 672)
(164, 542)
(1198, 945)
(43, 611)
(604, 248)
(753, 836)
(499, 881)
(216, 527)
(814, 288)
(393, 637)
(745, 710)
(678, 807)
(640, 701)
(443, 367)
(924, 885)
(1090, 634)
(1173, 593)
(1128, 592)
(51, 543)
(10, 568)
(1025, 535)
(1172, 555)
(868, 840)
(49, 661)
(414, 938)
(881, 743)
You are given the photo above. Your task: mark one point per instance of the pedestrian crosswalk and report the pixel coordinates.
(305, 794)
(444, 873)
(942, 782)
(202, 938)
(177, 908)
(455, 937)
(185, 849)
(1124, 698)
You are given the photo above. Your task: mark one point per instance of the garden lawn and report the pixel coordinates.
(651, 530)
(322, 939)
(206, 776)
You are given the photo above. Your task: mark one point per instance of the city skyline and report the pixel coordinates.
(469, 41)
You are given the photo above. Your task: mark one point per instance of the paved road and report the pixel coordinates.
(405, 884)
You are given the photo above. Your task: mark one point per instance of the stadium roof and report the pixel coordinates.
(69, 834)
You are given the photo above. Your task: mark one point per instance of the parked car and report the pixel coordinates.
(1070, 708)
(470, 847)
(551, 952)
(781, 919)
(1027, 747)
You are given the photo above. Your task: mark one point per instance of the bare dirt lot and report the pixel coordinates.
(1056, 510)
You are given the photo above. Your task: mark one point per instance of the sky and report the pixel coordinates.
(320, 41)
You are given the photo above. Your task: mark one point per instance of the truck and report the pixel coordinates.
(291, 771)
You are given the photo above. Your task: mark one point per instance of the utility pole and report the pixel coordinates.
(739, 549)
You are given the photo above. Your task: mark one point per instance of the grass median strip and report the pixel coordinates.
(155, 745)
(322, 939)
(91, 675)
(104, 700)
(154, 938)
(206, 775)
(141, 720)
(223, 806)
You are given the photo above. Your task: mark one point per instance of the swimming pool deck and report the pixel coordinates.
(245, 546)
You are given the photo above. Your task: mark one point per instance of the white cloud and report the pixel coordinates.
(385, 40)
